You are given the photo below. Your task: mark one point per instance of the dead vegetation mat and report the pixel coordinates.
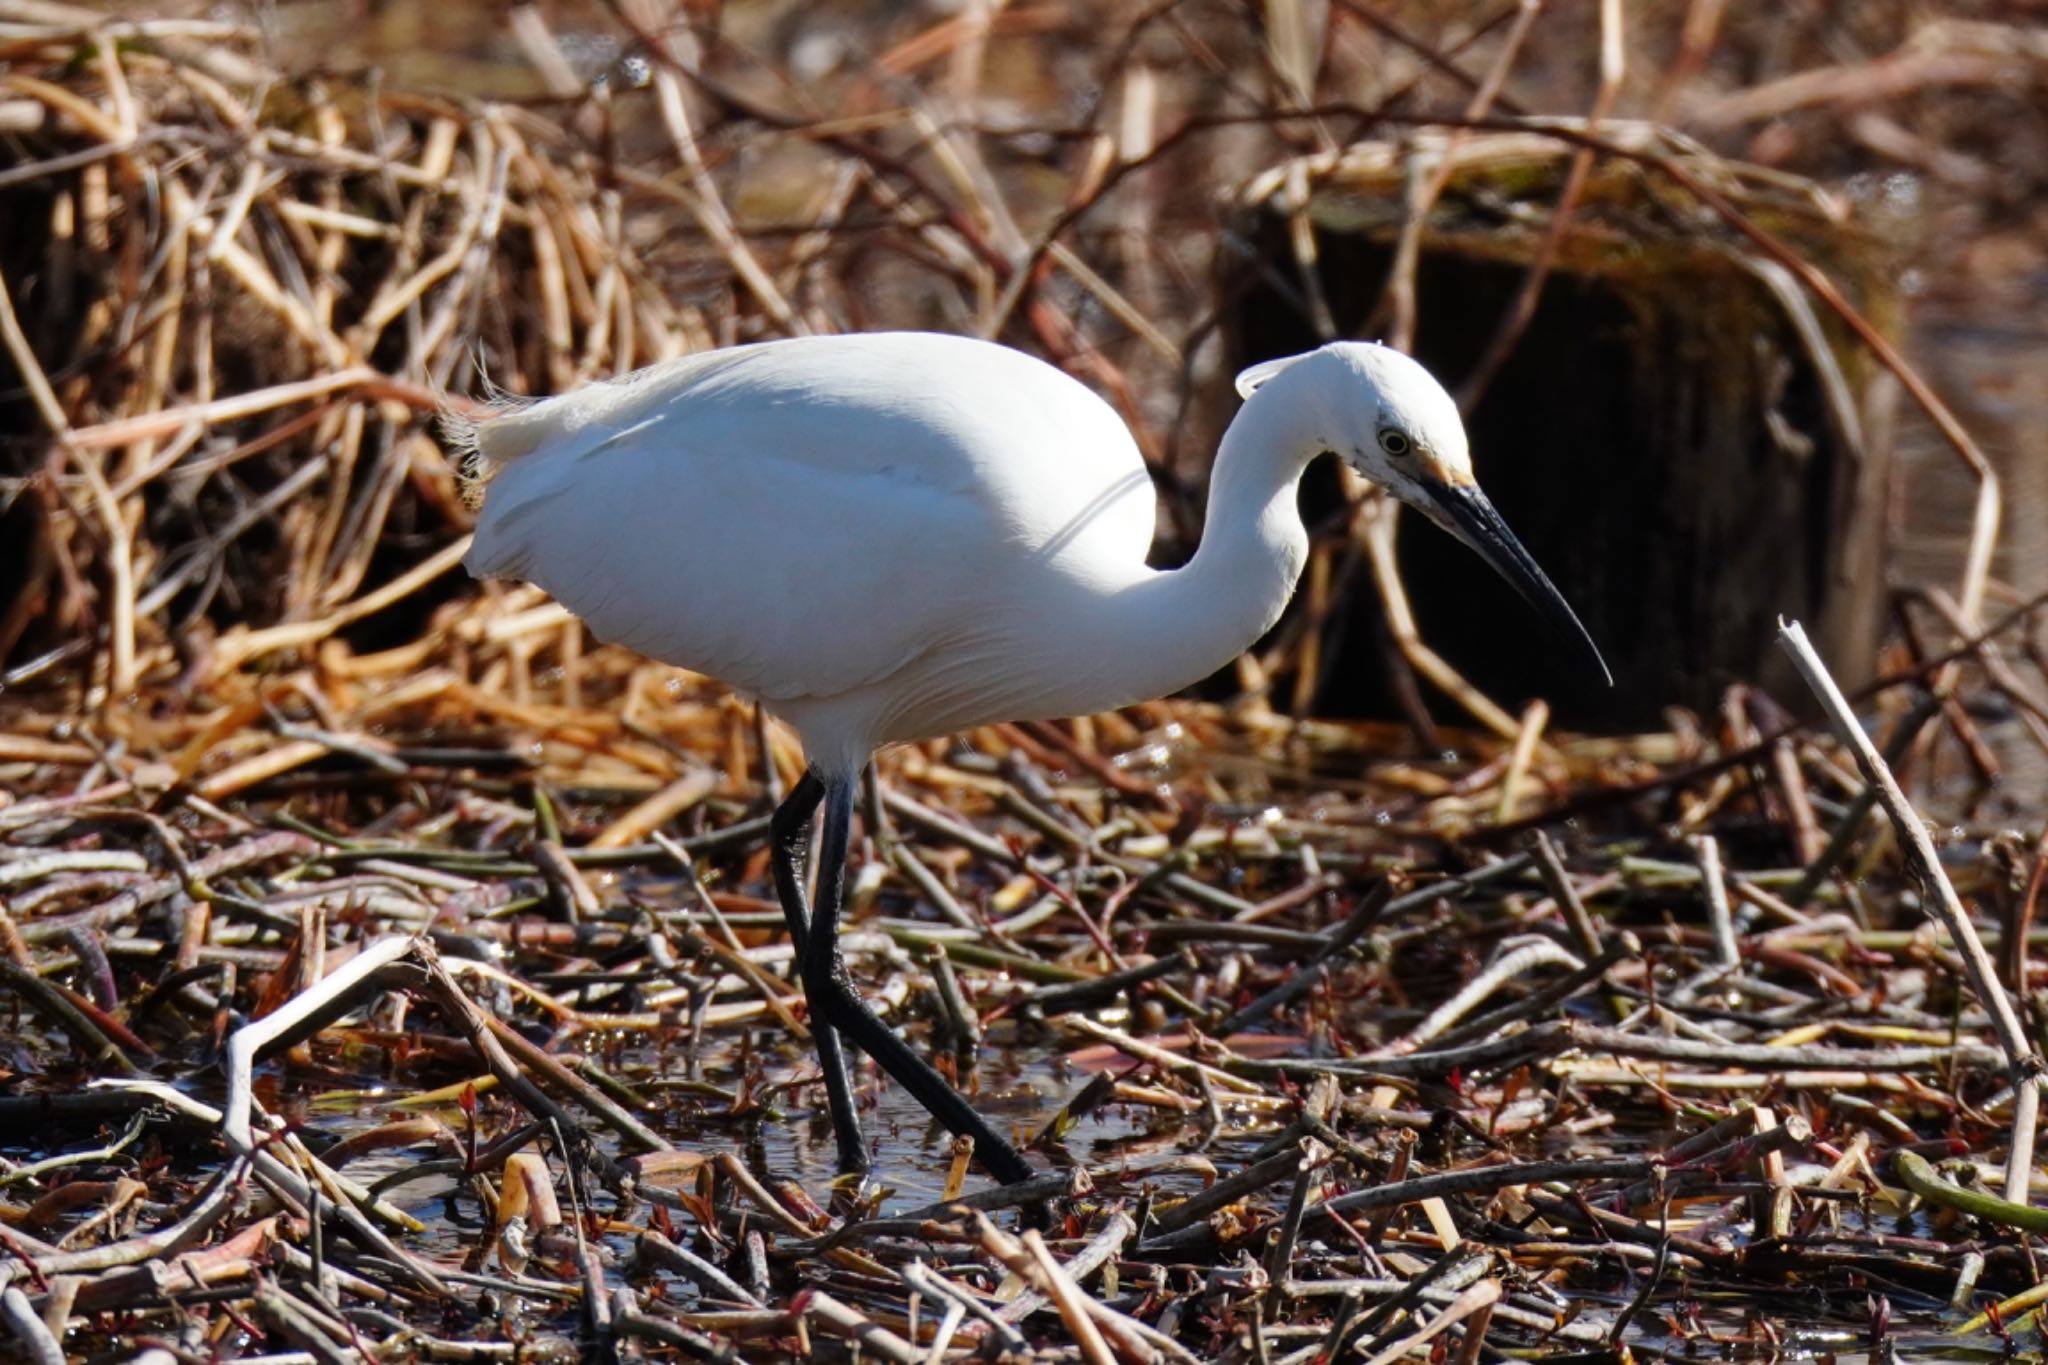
(390, 972)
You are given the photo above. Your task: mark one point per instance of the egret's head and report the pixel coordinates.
(1389, 419)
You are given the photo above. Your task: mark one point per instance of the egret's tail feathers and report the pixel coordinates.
(482, 444)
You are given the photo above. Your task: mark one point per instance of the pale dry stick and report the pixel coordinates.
(2033, 711)
(164, 351)
(455, 313)
(604, 299)
(732, 1168)
(1113, 300)
(32, 1336)
(211, 89)
(1510, 966)
(124, 430)
(234, 210)
(1850, 826)
(1781, 1060)
(122, 670)
(961, 162)
(120, 550)
(392, 300)
(1382, 521)
(311, 584)
(217, 541)
(1573, 906)
(1032, 1262)
(1943, 904)
(241, 645)
(1530, 733)
(1472, 1349)
(1827, 366)
(198, 352)
(490, 1037)
(646, 818)
(1046, 1186)
(303, 1012)
(49, 168)
(1085, 1318)
(775, 994)
(582, 245)
(1105, 1246)
(1541, 1002)
(214, 1203)
(244, 1042)
(1480, 1297)
(263, 287)
(62, 1299)
(1720, 918)
(1613, 67)
(1484, 1180)
(1159, 1056)
(535, 1062)
(92, 120)
(1301, 240)
(436, 158)
(338, 220)
(924, 1280)
(826, 216)
(108, 55)
(942, 1333)
(965, 44)
(1881, 82)
(708, 207)
(1304, 640)
(543, 53)
(1381, 515)
(866, 1335)
(1294, 47)
(904, 859)
(1555, 1038)
(1400, 297)
(1807, 839)
(36, 1169)
(1695, 42)
(1313, 1157)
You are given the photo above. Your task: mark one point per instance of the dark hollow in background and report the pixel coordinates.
(1633, 440)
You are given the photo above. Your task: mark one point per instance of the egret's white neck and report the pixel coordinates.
(1191, 621)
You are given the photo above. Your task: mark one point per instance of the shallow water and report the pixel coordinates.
(1022, 1090)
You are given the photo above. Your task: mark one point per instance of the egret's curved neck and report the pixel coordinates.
(1191, 621)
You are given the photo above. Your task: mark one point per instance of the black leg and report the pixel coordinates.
(831, 994)
(786, 847)
(786, 828)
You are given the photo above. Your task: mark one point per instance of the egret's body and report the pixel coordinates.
(885, 537)
(891, 537)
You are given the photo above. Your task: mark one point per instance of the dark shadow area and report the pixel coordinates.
(1658, 440)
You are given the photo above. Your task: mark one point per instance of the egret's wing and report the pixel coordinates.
(804, 518)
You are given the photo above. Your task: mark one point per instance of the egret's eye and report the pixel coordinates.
(1394, 442)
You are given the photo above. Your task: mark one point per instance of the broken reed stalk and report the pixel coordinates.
(1943, 905)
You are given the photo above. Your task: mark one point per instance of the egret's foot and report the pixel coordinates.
(851, 1016)
(835, 1006)
(853, 1150)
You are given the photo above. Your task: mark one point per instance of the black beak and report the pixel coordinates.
(1466, 513)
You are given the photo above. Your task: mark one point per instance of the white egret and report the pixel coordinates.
(897, 536)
